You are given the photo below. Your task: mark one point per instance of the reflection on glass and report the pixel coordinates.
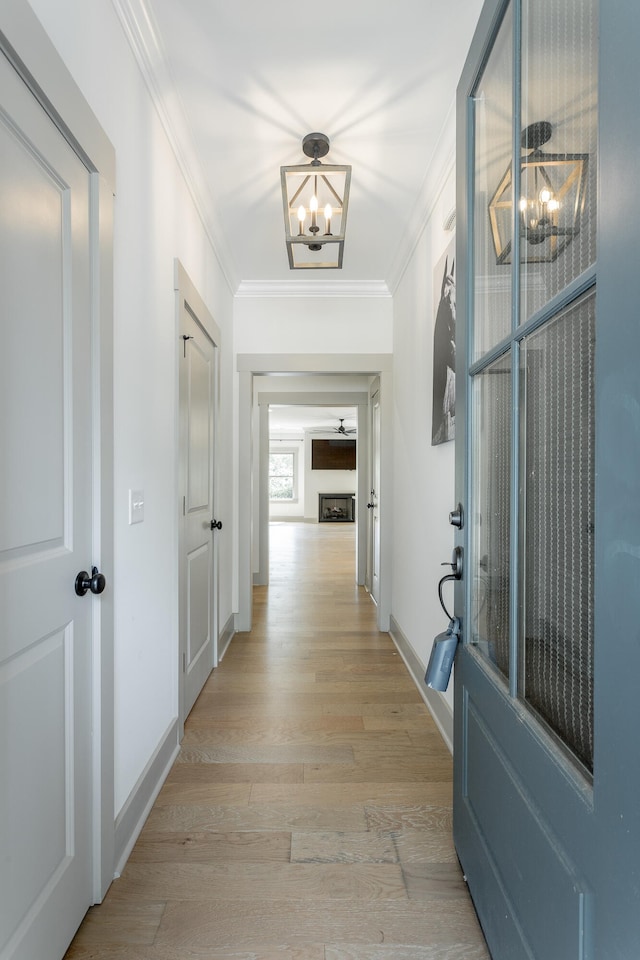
(551, 204)
(556, 668)
(492, 106)
(559, 151)
(491, 522)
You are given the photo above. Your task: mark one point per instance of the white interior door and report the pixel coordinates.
(198, 567)
(45, 531)
(373, 504)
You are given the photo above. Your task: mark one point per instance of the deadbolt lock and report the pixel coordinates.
(456, 517)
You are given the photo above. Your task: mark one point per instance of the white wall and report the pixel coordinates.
(314, 324)
(423, 475)
(155, 221)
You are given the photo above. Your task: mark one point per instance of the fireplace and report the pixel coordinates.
(336, 507)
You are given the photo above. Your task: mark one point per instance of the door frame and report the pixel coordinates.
(356, 399)
(26, 45)
(186, 293)
(306, 364)
(374, 450)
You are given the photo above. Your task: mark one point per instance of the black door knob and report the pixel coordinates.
(96, 582)
(216, 524)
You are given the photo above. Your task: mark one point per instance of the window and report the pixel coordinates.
(283, 483)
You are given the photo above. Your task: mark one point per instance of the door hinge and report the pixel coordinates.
(184, 663)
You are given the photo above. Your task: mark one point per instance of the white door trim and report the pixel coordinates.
(355, 363)
(374, 392)
(24, 42)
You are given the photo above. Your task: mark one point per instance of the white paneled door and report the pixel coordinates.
(45, 531)
(199, 528)
(373, 504)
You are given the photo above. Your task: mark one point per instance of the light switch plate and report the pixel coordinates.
(136, 506)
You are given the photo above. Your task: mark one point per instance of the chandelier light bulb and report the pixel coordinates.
(301, 215)
(313, 207)
(545, 195)
(328, 213)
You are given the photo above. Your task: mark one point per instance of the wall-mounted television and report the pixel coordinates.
(333, 454)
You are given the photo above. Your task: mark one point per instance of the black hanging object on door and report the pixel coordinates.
(185, 338)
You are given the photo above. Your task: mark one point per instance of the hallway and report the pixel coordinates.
(308, 815)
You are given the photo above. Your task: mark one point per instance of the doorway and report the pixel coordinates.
(347, 400)
(249, 366)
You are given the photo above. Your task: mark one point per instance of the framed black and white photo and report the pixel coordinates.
(443, 420)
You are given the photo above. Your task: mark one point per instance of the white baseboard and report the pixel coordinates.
(226, 636)
(436, 703)
(137, 807)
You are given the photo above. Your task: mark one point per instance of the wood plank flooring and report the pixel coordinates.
(308, 815)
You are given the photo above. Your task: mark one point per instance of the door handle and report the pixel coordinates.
(370, 506)
(455, 564)
(216, 524)
(456, 574)
(96, 582)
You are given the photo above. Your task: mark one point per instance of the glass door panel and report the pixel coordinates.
(490, 584)
(558, 193)
(492, 110)
(557, 398)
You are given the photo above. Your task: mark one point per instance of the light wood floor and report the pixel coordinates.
(308, 816)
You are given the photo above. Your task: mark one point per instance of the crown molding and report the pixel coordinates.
(311, 288)
(144, 40)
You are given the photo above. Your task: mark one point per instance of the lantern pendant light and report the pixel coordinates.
(315, 199)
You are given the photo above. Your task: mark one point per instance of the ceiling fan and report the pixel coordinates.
(344, 431)
(341, 430)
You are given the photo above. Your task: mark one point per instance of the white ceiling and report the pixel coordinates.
(239, 84)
